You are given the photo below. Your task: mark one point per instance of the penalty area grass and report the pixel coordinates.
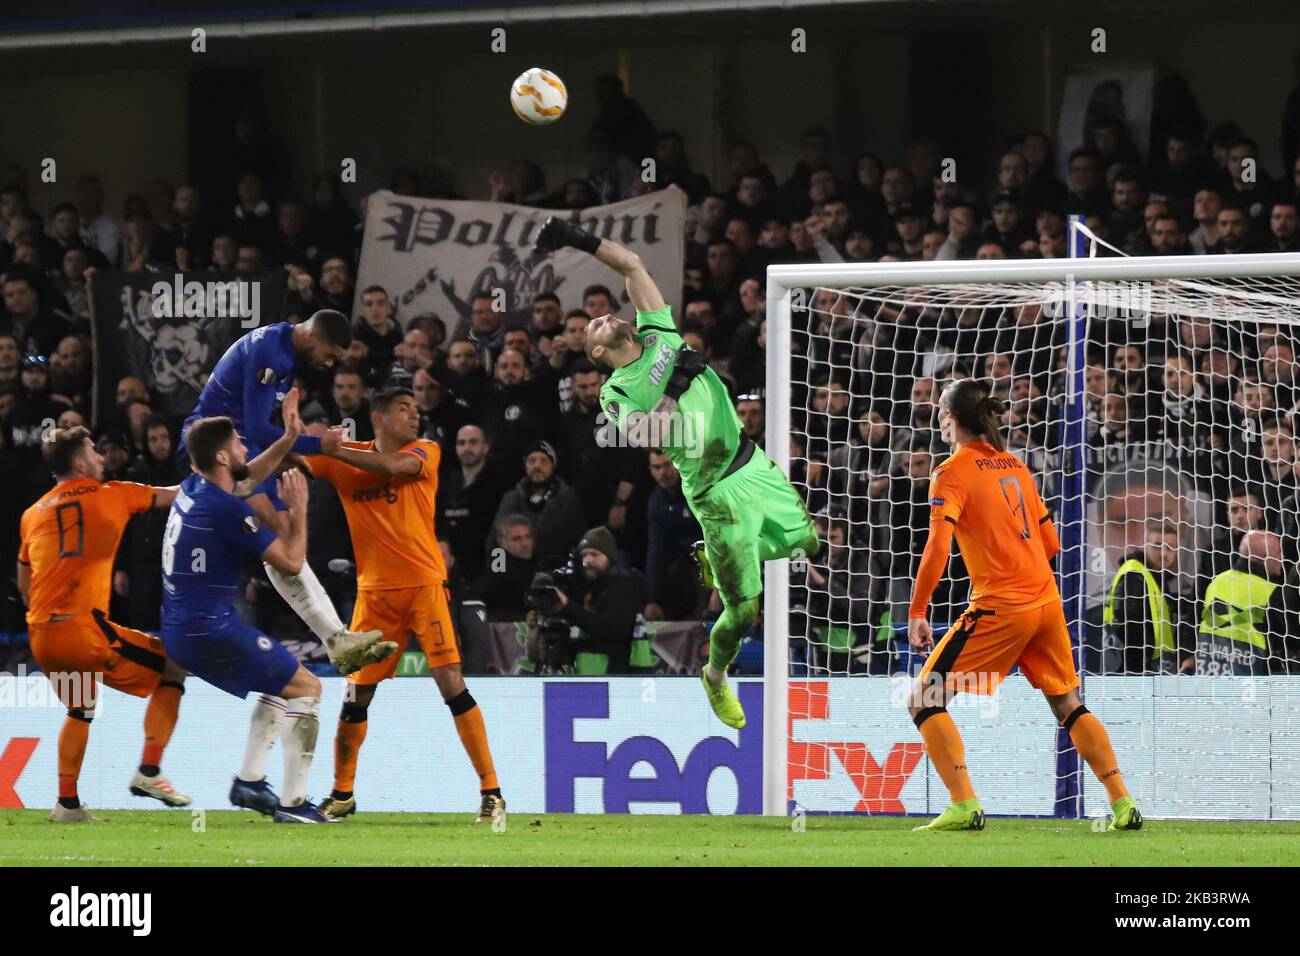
(241, 838)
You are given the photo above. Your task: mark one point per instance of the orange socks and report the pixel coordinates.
(469, 726)
(72, 750)
(947, 752)
(160, 721)
(347, 748)
(473, 736)
(1093, 743)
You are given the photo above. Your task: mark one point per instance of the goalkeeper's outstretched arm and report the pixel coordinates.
(641, 289)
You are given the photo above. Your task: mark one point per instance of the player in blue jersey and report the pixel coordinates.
(210, 531)
(248, 382)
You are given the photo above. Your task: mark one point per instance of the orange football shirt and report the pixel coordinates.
(70, 537)
(391, 521)
(991, 498)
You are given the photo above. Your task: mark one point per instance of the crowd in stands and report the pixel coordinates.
(515, 406)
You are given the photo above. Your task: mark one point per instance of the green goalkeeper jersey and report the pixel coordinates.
(701, 438)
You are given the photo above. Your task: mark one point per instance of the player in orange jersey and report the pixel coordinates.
(65, 570)
(986, 498)
(388, 487)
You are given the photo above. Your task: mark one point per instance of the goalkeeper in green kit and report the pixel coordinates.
(664, 393)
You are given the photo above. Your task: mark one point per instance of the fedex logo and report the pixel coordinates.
(685, 785)
(13, 760)
(878, 783)
(630, 755)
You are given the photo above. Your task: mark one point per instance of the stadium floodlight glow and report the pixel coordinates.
(1090, 433)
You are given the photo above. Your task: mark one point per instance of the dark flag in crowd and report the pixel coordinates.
(170, 330)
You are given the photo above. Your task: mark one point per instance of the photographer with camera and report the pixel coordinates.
(582, 614)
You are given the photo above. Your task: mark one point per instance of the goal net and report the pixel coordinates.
(1155, 401)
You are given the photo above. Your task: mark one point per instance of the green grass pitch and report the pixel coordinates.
(240, 838)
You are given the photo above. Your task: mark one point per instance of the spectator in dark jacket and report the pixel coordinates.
(469, 492)
(518, 410)
(547, 500)
(672, 589)
(37, 329)
(352, 408)
(484, 330)
(1007, 228)
(441, 413)
(334, 291)
(593, 459)
(138, 570)
(838, 599)
(378, 331)
(510, 569)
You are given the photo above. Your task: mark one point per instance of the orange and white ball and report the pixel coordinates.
(538, 96)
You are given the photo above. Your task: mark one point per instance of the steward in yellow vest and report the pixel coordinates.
(1249, 614)
(1141, 621)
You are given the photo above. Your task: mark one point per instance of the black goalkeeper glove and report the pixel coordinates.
(558, 233)
(690, 363)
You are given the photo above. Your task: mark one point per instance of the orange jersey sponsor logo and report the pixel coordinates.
(391, 521)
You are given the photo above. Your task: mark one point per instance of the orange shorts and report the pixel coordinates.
(402, 613)
(90, 644)
(982, 647)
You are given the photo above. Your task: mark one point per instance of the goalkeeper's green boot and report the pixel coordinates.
(703, 570)
(1126, 815)
(724, 702)
(967, 815)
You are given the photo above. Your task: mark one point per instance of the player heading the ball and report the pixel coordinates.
(748, 511)
(248, 381)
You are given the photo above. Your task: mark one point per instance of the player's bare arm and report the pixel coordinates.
(641, 289)
(288, 553)
(265, 464)
(392, 464)
(24, 580)
(163, 496)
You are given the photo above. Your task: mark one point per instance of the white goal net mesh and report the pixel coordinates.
(1165, 448)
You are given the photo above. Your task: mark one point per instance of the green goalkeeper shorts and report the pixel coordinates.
(749, 517)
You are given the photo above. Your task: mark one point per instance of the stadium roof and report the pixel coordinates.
(94, 22)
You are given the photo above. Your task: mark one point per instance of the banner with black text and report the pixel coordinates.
(433, 255)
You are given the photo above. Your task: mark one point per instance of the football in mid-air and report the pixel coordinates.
(538, 96)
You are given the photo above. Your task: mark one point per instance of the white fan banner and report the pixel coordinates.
(434, 255)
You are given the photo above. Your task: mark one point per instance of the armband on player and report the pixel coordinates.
(689, 364)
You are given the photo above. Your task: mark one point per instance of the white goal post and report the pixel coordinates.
(1075, 297)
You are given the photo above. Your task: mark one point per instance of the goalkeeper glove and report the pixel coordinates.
(690, 363)
(558, 233)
